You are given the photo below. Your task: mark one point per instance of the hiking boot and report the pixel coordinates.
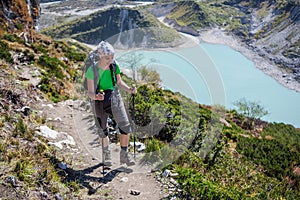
(107, 158)
(126, 158)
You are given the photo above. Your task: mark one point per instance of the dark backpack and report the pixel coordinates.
(92, 60)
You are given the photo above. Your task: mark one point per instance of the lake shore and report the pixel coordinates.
(218, 36)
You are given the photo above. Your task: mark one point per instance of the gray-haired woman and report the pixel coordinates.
(109, 102)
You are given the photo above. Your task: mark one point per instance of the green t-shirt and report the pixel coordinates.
(106, 82)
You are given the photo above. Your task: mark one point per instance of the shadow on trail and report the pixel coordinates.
(84, 179)
(89, 122)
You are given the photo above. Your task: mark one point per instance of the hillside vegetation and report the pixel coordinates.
(32, 73)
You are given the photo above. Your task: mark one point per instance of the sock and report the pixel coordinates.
(124, 148)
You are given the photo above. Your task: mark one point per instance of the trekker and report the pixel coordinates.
(107, 102)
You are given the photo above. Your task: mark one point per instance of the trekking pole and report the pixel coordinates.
(103, 168)
(133, 119)
(103, 171)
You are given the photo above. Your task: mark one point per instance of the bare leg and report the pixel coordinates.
(124, 140)
(104, 142)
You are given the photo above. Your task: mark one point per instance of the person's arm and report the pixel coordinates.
(123, 86)
(91, 91)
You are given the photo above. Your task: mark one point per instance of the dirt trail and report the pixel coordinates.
(84, 159)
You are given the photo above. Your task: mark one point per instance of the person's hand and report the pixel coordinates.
(99, 96)
(133, 90)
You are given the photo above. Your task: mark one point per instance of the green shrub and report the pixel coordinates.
(24, 170)
(13, 38)
(52, 89)
(38, 48)
(4, 52)
(276, 158)
(153, 151)
(232, 132)
(52, 65)
(197, 186)
(22, 130)
(75, 56)
(19, 26)
(286, 134)
(151, 105)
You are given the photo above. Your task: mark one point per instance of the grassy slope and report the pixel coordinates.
(24, 156)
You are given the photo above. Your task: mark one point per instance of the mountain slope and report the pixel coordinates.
(126, 26)
(269, 28)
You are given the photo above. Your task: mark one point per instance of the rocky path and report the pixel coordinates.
(83, 158)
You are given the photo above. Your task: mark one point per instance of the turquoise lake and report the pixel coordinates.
(218, 75)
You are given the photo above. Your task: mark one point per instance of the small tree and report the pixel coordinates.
(132, 60)
(149, 75)
(250, 109)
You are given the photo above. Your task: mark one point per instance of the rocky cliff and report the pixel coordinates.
(123, 26)
(270, 28)
(20, 16)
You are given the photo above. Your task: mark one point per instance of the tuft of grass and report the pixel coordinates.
(4, 52)
(13, 38)
(22, 130)
(74, 186)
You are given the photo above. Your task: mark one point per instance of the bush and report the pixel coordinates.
(13, 38)
(198, 186)
(287, 135)
(276, 158)
(38, 48)
(52, 66)
(73, 55)
(4, 52)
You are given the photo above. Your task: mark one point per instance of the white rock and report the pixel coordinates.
(124, 179)
(47, 132)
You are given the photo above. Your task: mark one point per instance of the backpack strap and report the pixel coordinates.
(113, 70)
(96, 79)
(91, 61)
